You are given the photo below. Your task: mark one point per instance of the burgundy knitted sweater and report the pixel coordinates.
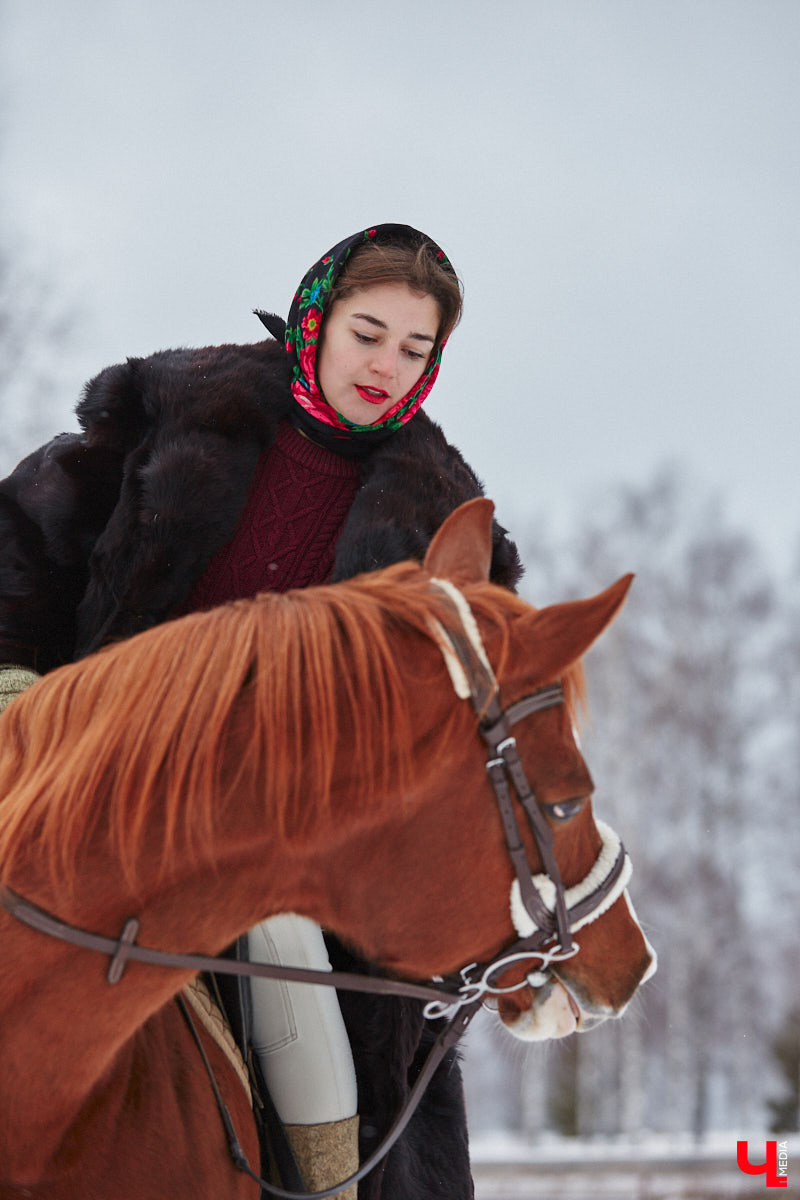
(286, 536)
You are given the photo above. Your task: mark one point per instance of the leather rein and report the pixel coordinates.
(457, 999)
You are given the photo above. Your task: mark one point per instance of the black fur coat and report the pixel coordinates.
(104, 533)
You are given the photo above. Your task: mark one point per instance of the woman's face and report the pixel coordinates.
(376, 343)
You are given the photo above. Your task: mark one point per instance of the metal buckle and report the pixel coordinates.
(469, 991)
(500, 760)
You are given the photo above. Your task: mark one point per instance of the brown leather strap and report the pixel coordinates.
(444, 1042)
(123, 949)
(495, 728)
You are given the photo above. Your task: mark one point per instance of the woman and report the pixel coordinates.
(205, 476)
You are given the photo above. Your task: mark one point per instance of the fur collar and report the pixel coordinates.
(168, 450)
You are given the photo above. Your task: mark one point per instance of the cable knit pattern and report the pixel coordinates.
(286, 537)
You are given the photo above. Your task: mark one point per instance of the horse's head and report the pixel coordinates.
(610, 955)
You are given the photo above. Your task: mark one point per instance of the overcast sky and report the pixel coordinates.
(617, 182)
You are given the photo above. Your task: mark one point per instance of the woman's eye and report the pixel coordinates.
(415, 354)
(564, 809)
(363, 337)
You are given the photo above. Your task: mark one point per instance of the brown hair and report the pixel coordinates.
(419, 267)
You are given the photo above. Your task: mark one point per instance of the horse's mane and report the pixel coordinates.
(282, 678)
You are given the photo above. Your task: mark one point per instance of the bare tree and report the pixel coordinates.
(680, 672)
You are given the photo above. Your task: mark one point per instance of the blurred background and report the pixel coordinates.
(618, 184)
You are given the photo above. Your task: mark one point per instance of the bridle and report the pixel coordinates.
(458, 998)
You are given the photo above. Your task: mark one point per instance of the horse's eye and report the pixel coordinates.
(564, 809)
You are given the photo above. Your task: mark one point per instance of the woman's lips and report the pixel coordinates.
(372, 395)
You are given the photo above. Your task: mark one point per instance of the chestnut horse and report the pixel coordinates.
(294, 753)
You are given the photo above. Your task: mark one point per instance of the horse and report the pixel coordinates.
(293, 753)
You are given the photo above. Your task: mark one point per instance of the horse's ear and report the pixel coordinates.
(564, 632)
(461, 549)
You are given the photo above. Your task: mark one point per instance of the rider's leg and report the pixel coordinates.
(304, 1053)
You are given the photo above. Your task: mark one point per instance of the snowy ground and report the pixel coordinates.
(652, 1168)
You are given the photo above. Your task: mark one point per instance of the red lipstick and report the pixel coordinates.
(372, 395)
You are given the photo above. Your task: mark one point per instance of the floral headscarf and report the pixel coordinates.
(313, 414)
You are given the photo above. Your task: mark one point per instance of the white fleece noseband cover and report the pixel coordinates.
(604, 864)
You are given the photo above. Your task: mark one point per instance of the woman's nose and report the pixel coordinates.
(383, 362)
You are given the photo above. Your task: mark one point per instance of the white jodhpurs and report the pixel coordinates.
(298, 1031)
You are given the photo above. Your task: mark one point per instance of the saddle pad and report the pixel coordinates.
(211, 1018)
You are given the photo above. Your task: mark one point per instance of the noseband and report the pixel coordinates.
(545, 914)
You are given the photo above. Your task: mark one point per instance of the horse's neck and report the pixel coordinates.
(55, 993)
(202, 902)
